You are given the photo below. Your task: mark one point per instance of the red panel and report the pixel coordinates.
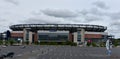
(35, 37)
(70, 37)
(16, 34)
(93, 36)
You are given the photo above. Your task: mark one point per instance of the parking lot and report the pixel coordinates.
(59, 52)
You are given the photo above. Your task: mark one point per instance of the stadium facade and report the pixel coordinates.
(58, 32)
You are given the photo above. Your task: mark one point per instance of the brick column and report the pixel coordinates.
(70, 37)
(36, 37)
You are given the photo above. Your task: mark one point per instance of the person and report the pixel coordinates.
(85, 43)
(108, 47)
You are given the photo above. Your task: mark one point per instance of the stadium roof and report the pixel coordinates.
(70, 27)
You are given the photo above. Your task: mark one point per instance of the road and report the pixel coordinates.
(60, 52)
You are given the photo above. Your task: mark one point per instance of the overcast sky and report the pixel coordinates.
(98, 12)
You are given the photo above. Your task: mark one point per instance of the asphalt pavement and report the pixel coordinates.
(59, 52)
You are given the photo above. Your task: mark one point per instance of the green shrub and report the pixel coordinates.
(27, 42)
(88, 44)
(1, 42)
(59, 43)
(6, 42)
(36, 43)
(11, 41)
(68, 42)
(94, 44)
(73, 44)
(102, 44)
(116, 42)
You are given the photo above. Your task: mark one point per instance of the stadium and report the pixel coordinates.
(58, 32)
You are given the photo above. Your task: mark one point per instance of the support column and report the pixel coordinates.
(82, 35)
(24, 35)
(75, 37)
(70, 37)
(30, 37)
(36, 37)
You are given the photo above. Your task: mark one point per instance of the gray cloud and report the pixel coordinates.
(114, 28)
(115, 24)
(114, 15)
(64, 16)
(92, 15)
(92, 18)
(2, 20)
(101, 4)
(84, 12)
(35, 13)
(44, 19)
(94, 11)
(60, 13)
(12, 2)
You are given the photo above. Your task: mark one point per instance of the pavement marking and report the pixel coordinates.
(32, 58)
(65, 53)
(86, 54)
(57, 58)
(43, 58)
(80, 54)
(76, 55)
(19, 55)
(54, 54)
(97, 55)
(70, 54)
(50, 58)
(38, 54)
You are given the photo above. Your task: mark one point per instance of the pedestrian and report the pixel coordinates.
(108, 47)
(85, 43)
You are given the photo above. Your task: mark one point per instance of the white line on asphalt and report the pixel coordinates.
(70, 54)
(65, 53)
(75, 54)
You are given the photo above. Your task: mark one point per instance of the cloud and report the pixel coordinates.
(114, 15)
(44, 19)
(92, 15)
(115, 23)
(12, 2)
(4, 24)
(60, 13)
(58, 16)
(92, 18)
(36, 13)
(114, 28)
(101, 4)
(93, 11)
(84, 12)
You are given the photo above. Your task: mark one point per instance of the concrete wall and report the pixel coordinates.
(82, 35)
(30, 37)
(75, 37)
(103, 33)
